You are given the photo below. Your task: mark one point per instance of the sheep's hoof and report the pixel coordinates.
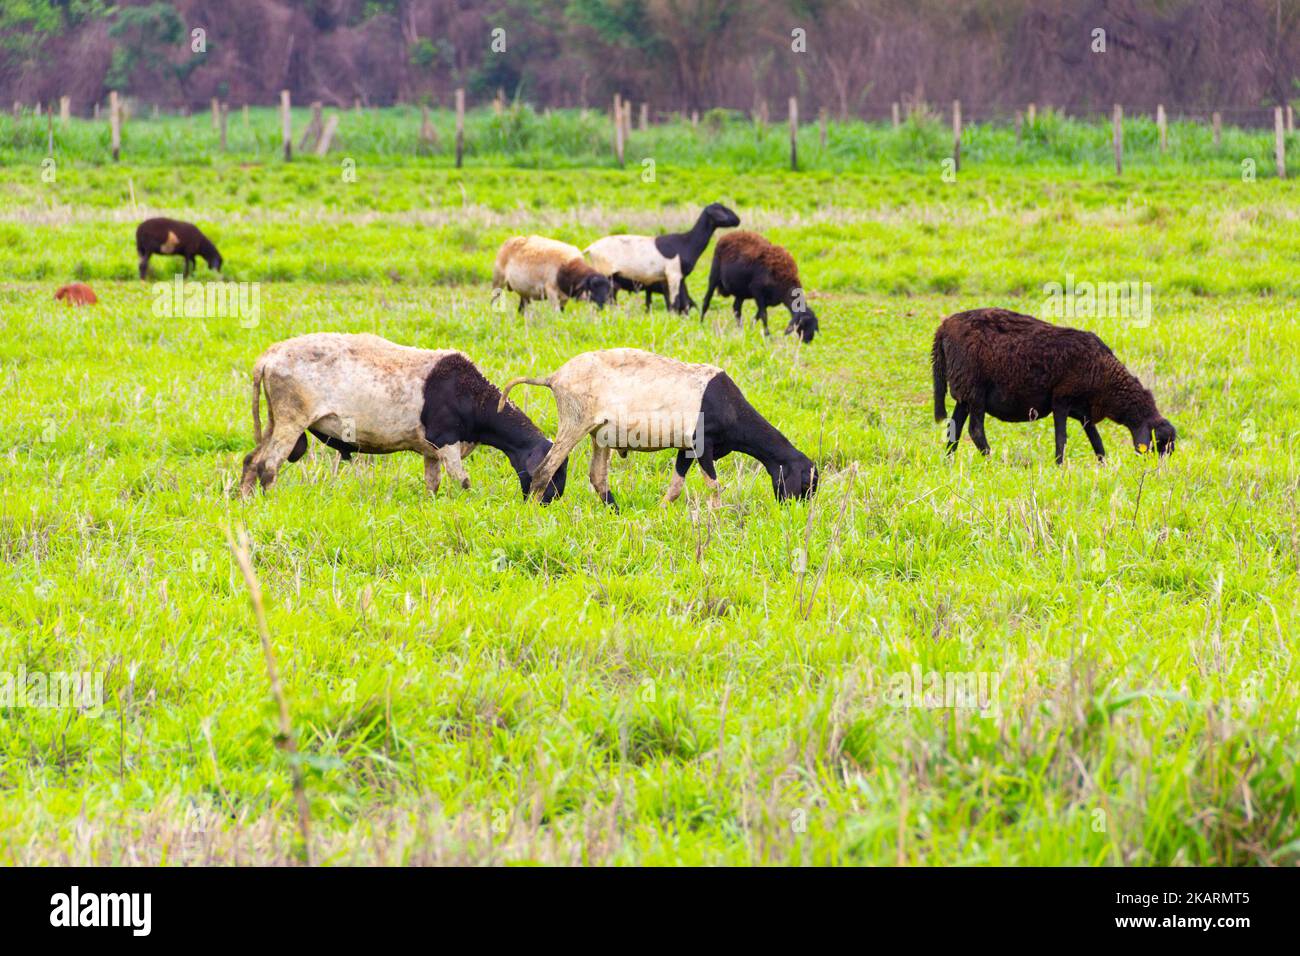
(465, 483)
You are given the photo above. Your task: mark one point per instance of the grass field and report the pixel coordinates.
(476, 679)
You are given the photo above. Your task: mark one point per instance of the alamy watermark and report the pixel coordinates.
(1094, 300)
(964, 690)
(181, 299)
(653, 431)
(54, 690)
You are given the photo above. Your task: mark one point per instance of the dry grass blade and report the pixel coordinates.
(239, 547)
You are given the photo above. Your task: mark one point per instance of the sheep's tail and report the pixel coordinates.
(505, 392)
(257, 402)
(940, 379)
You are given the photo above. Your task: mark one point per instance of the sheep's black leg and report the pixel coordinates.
(955, 425)
(1094, 439)
(144, 265)
(977, 428)
(736, 304)
(708, 293)
(521, 306)
(189, 264)
(762, 317)
(648, 294)
(1059, 419)
(711, 477)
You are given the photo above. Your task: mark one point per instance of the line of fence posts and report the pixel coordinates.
(318, 135)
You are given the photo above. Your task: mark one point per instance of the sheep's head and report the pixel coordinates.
(532, 461)
(796, 478)
(1158, 432)
(213, 259)
(720, 216)
(596, 288)
(803, 322)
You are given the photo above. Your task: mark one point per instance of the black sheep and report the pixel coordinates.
(747, 266)
(171, 237)
(1019, 369)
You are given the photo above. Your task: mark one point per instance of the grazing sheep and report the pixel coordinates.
(1018, 368)
(171, 237)
(630, 400)
(539, 268)
(747, 266)
(76, 293)
(364, 393)
(659, 263)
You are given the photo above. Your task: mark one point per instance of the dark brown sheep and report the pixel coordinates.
(1019, 369)
(171, 237)
(76, 293)
(747, 266)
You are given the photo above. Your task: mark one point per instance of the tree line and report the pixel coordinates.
(848, 57)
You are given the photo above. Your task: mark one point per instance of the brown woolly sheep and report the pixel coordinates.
(1018, 368)
(76, 293)
(747, 266)
(539, 268)
(171, 237)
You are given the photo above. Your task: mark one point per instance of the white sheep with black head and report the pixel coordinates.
(659, 263)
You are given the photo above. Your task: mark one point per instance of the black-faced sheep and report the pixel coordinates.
(630, 400)
(747, 266)
(1018, 368)
(539, 268)
(362, 393)
(659, 263)
(171, 237)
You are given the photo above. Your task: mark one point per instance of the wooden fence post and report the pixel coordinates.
(1020, 123)
(1216, 121)
(645, 115)
(65, 109)
(95, 111)
(1279, 142)
(618, 128)
(49, 129)
(286, 125)
(893, 109)
(1290, 119)
(1117, 121)
(695, 119)
(327, 137)
(1162, 127)
(115, 124)
(216, 115)
(794, 133)
(821, 126)
(245, 116)
(956, 135)
(311, 135)
(224, 117)
(460, 126)
(1030, 113)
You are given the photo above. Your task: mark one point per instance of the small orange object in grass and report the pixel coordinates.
(78, 293)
